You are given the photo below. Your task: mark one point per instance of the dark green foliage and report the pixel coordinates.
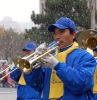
(38, 35)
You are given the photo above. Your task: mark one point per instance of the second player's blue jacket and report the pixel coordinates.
(33, 87)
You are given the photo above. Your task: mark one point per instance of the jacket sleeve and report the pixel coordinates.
(79, 78)
(35, 79)
(15, 75)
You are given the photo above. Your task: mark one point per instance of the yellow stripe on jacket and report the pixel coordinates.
(22, 80)
(56, 85)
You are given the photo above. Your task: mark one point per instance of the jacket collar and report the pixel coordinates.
(65, 48)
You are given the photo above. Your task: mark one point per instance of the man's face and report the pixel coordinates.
(27, 52)
(95, 53)
(64, 37)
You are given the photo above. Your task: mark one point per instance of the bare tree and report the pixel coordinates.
(11, 45)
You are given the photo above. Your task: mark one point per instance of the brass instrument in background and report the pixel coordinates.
(30, 62)
(16, 61)
(88, 39)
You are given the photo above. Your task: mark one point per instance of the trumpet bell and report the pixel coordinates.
(91, 42)
(25, 66)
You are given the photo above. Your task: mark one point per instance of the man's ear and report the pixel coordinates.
(73, 35)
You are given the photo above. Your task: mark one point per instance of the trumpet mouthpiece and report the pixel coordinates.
(58, 42)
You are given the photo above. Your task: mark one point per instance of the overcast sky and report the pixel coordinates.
(19, 10)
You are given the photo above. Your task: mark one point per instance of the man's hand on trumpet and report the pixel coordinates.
(49, 61)
(41, 49)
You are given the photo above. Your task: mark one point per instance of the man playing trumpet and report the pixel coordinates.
(68, 75)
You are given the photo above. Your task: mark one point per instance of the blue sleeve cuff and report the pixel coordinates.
(57, 66)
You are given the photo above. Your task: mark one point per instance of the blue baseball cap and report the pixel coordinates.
(30, 46)
(95, 48)
(63, 23)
